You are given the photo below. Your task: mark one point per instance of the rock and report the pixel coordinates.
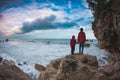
(90, 60)
(6, 40)
(8, 62)
(24, 63)
(117, 66)
(68, 65)
(106, 23)
(72, 67)
(87, 44)
(19, 64)
(109, 70)
(1, 59)
(112, 71)
(106, 29)
(12, 72)
(116, 76)
(39, 67)
(56, 63)
(99, 76)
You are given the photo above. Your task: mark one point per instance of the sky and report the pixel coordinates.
(44, 18)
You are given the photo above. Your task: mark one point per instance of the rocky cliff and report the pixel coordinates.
(72, 67)
(78, 67)
(106, 24)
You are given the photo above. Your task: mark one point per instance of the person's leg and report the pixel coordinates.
(79, 47)
(72, 49)
(82, 46)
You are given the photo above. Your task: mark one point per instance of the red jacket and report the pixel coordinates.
(81, 37)
(73, 41)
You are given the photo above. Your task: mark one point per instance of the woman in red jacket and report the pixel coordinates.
(81, 40)
(72, 44)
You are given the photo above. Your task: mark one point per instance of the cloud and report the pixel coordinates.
(82, 17)
(84, 3)
(4, 3)
(21, 16)
(1, 16)
(69, 4)
(41, 16)
(57, 33)
(39, 23)
(49, 22)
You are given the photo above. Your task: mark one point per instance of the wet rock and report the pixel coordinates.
(102, 62)
(6, 40)
(19, 64)
(8, 62)
(39, 67)
(87, 44)
(8, 71)
(24, 63)
(1, 59)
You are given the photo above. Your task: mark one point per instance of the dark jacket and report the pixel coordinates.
(73, 41)
(81, 37)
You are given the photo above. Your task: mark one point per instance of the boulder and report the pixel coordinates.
(87, 44)
(8, 62)
(39, 67)
(109, 70)
(99, 76)
(117, 66)
(116, 76)
(90, 60)
(9, 71)
(72, 67)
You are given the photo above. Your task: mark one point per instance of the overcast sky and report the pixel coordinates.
(44, 18)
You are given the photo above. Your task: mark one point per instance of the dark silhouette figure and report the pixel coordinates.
(72, 44)
(81, 40)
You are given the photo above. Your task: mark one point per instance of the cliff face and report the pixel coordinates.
(106, 25)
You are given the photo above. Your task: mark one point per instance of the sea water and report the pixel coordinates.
(26, 53)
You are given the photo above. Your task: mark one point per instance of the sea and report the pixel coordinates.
(27, 52)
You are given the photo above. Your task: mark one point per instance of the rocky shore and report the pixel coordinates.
(70, 67)
(79, 67)
(9, 71)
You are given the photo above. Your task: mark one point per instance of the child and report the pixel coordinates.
(72, 44)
